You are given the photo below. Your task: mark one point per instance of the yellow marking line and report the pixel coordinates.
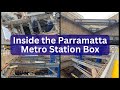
(115, 71)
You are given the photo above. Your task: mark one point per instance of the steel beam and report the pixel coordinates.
(82, 63)
(105, 22)
(39, 27)
(52, 71)
(35, 64)
(97, 65)
(30, 27)
(99, 57)
(21, 28)
(19, 21)
(39, 58)
(33, 76)
(81, 70)
(34, 59)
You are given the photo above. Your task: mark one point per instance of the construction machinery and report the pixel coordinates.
(34, 66)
